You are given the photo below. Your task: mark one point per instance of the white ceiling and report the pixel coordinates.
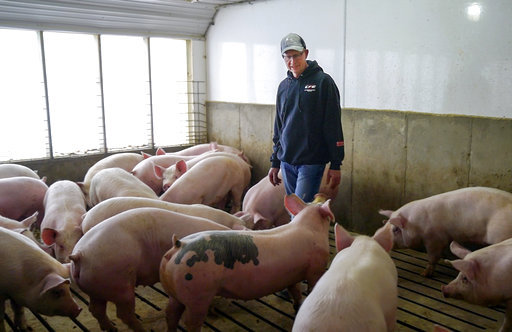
(175, 18)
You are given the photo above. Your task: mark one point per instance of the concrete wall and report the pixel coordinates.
(391, 157)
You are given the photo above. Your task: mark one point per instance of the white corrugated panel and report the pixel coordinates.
(174, 18)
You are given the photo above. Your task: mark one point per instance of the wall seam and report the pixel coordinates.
(406, 142)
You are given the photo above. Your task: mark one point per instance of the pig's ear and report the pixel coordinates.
(160, 152)
(294, 204)
(145, 155)
(48, 236)
(181, 167)
(458, 250)
(384, 236)
(51, 281)
(398, 221)
(468, 267)
(386, 213)
(325, 211)
(342, 238)
(30, 220)
(159, 171)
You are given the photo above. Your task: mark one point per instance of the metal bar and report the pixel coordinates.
(47, 100)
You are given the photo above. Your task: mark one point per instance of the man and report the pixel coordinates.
(307, 127)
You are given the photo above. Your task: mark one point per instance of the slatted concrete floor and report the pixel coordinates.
(420, 306)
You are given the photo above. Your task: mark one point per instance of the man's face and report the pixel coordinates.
(296, 61)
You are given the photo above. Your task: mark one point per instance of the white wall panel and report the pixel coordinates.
(243, 46)
(430, 56)
(410, 55)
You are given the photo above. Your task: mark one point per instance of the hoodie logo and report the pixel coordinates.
(310, 87)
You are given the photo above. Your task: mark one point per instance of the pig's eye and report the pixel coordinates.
(396, 230)
(57, 293)
(464, 279)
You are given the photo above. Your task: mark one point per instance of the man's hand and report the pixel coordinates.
(273, 176)
(333, 178)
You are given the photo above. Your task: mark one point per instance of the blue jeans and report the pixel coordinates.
(302, 180)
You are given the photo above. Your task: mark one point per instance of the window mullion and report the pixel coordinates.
(46, 96)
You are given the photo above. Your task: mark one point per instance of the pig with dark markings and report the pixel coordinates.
(485, 277)
(476, 215)
(245, 264)
(125, 251)
(31, 278)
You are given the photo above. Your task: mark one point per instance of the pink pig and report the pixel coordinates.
(123, 160)
(21, 196)
(31, 278)
(476, 215)
(115, 205)
(173, 172)
(265, 203)
(211, 182)
(150, 170)
(245, 264)
(124, 251)
(61, 226)
(12, 170)
(23, 227)
(212, 146)
(116, 182)
(484, 277)
(361, 278)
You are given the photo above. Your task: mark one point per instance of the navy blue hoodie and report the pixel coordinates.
(307, 127)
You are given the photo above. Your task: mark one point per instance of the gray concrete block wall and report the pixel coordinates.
(391, 157)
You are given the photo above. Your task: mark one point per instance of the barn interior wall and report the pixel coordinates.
(391, 157)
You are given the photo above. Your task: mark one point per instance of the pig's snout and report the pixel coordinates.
(165, 186)
(446, 291)
(75, 312)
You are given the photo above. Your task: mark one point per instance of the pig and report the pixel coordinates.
(21, 197)
(210, 182)
(123, 160)
(115, 205)
(173, 172)
(212, 146)
(61, 226)
(12, 170)
(245, 264)
(116, 182)
(361, 278)
(150, 170)
(110, 260)
(484, 277)
(264, 202)
(23, 227)
(31, 278)
(477, 215)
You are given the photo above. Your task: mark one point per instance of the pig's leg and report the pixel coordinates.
(294, 291)
(19, 316)
(434, 253)
(195, 314)
(126, 312)
(236, 199)
(507, 323)
(173, 314)
(98, 309)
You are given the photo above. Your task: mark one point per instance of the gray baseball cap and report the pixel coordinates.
(292, 41)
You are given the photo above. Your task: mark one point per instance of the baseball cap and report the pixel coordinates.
(292, 41)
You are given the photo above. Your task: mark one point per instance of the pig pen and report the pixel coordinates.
(420, 306)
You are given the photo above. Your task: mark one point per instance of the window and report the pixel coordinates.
(73, 92)
(103, 92)
(23, 127)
